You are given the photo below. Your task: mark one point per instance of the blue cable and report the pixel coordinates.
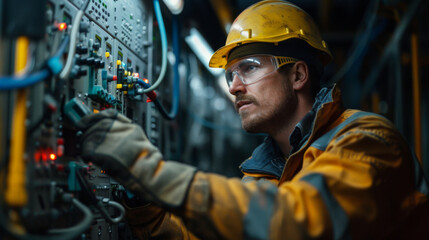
(63, 46)
(10, 83)
(176, 77)
(53, 65)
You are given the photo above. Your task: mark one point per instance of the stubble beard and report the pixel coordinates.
(270, 118)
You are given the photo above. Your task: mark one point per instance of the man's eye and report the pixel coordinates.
(250, 68)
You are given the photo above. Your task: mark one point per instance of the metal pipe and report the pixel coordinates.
(416, 95)
(390, 47)
(397, 76)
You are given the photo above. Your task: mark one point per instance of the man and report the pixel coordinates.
(323, 172)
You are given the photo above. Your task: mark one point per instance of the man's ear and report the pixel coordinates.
(301, 75)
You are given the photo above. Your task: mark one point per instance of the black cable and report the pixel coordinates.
(162, 110)
(56, 93)
(99, 204)
(86, 5)
(55, 234)
(87, 190)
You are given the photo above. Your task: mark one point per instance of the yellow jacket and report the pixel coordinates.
(350, 175)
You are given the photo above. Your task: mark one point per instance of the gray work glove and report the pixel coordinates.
(122, 149)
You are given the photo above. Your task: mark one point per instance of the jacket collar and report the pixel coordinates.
(267, 158)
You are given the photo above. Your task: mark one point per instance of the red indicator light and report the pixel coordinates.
(60, 150)
(37, 156)
(44, 156)
(60, 141)
(62, 26)
(52, 156)
(146, 80)
(136, 75)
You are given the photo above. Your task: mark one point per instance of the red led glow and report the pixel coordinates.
(137, 75)
(52, 156)
(62, 26)
(37, 156)
(146, 80)
(60, 141)
(60, 150)
(44, 156)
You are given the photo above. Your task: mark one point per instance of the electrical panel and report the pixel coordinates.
(111, 47)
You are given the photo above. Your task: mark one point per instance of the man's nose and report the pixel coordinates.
(236, 85)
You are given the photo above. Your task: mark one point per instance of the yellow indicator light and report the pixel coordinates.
(125, 92)
(107, 54)
(118, 62)
(96, 111)
(119, 86)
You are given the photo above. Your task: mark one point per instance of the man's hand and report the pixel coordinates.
(122, 149)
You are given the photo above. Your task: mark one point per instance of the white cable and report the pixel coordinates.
(164, 44)
(82, 226)
(72, 47)
(30, 60)
(121, 210)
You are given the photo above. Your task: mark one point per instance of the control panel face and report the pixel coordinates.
(110, 44)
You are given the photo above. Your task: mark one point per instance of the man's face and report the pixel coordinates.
(267, 105)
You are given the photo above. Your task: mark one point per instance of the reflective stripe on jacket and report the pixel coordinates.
(351, 176)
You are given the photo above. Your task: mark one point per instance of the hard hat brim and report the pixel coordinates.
(220, 57)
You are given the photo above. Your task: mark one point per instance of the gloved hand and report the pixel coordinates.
(122, 149)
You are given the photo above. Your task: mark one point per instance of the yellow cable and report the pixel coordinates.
(21, 54)
(16, 192)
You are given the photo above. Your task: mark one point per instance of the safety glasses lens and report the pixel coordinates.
(250, 69)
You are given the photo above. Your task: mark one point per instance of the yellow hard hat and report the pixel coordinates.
(271, 21)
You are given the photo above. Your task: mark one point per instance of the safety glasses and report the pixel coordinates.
(251, 69)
